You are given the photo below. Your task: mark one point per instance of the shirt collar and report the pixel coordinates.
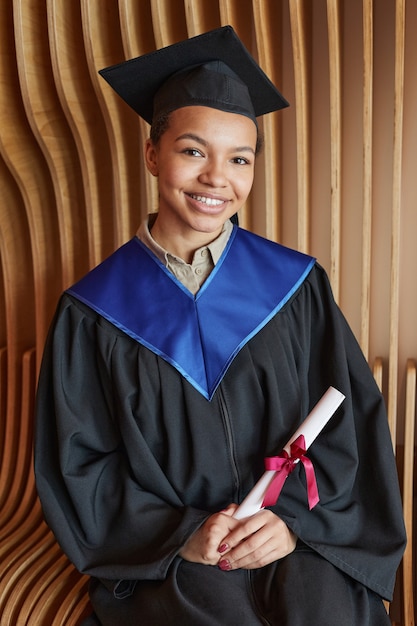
(215, 247)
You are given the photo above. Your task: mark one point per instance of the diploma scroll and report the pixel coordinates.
(312, 426)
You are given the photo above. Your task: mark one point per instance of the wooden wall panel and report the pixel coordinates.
(332, 181)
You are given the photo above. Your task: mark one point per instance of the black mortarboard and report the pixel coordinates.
(213, 69)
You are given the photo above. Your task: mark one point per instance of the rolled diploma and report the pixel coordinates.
(312, 426)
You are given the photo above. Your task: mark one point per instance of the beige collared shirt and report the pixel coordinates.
(191, 275)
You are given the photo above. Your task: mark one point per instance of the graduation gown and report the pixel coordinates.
(136, 446)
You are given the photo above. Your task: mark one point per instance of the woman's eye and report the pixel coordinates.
(240, 161)
(192, 152)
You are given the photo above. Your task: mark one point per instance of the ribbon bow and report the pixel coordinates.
(283, 465)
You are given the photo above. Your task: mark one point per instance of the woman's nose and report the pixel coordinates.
(213, 174)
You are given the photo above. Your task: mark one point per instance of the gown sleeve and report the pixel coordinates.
(109, 524)
(358, 524)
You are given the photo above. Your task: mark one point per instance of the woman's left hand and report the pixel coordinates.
(257, 541)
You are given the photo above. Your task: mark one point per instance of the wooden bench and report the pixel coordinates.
(38, 585)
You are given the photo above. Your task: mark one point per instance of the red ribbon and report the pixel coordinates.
(283, 465)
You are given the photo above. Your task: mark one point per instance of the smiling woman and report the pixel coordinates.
(183, 360)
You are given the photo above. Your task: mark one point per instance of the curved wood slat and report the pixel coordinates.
(368, 46)
(49, 126)
(80, 106)
(138, 39)
(378, 369)
(137, 29)
(299, 19)
(200, 17)
(25, 539)
(239, 15)
(16, 281)
(408, 490)
(3, 334)
(103, 47)
(396, 215)
(29, 531)
(168, 20)
(27, 571)
(19, 531)
(26, 164)
(23, 533)
(17, 291)
(3, 402)
(74, 606)
(18, 448)
(267, 22)
(22, 568)
(20, 514)
(19, 295)
(335, 69)
(40, 605)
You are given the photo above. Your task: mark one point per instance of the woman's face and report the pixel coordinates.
(205, 165)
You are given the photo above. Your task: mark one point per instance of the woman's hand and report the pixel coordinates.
(203, 545)
(257, 541)
(250, 543)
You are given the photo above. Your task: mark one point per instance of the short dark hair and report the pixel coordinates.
(161, 124)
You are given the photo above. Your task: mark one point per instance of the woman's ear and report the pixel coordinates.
(151, 157)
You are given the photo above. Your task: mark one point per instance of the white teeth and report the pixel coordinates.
(208, 201)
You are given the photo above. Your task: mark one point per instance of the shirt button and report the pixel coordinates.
(204, 252)
(199, 271)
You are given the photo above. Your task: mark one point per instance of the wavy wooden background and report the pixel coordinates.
(337, 179)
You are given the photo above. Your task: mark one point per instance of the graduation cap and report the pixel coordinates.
(213, 69)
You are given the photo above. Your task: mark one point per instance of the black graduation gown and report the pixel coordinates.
(131, 458)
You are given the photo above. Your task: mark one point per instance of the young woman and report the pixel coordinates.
(195, 351)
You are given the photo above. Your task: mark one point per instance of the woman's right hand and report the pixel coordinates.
(203, 545)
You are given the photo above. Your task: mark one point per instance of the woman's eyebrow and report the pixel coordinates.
(205, 143)
(194, 137)
(244, 149)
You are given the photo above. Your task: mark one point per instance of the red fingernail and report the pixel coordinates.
(224, 565)
(223, 548)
